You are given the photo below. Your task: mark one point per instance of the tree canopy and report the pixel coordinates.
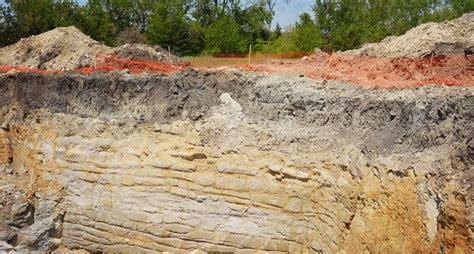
(190, 27)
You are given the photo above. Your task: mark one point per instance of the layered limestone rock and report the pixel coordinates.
(226, 162)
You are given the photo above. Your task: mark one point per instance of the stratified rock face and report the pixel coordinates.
(222, 162)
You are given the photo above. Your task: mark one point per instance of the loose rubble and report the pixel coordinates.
(142, 52)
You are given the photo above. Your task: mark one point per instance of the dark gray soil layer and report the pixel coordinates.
(431, 127)
(418, 118)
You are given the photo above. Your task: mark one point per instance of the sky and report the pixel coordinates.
(285, 14)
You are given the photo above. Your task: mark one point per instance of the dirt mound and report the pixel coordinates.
(381, 72)
(63, 48)
(143, 52)
(452, 37)
(67, 48)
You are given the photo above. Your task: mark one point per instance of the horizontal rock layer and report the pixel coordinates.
(226, 162)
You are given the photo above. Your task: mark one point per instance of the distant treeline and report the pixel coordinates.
(225, 26)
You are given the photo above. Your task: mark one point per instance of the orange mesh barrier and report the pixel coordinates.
(384, 72)
(106, 63)
(287, 55)
(4, 68)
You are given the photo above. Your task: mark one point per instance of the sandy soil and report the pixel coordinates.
(451, 37)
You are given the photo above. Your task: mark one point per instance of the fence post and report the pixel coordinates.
(327, 66)
(169, 54)
(431, 63)
(250, 52)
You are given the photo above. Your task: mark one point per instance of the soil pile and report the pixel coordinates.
(63, 48)
(67, 48)
(382, 72)
(452, 37)
(143, 52)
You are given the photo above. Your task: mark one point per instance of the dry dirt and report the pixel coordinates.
(379, 72)
(431, 53)
(142, 52)
(67, 48)
(451, 37)
(63, 48)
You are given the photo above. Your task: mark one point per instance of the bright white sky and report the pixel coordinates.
(285, 14)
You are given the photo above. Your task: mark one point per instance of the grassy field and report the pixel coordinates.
(212, 61)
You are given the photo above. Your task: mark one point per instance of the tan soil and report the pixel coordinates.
(143, 52)
(451, 37)
(63, 48)
(67, 48)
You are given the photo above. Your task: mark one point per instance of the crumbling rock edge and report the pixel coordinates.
(226, 161)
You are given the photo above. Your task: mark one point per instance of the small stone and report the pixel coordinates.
(317, 50)
(227, 100)
(295, 173)
(275, 168)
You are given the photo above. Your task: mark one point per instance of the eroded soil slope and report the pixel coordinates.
(232, 162)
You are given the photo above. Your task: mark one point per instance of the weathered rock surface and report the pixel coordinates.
(224, 162)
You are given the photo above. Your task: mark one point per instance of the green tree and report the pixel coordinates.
(8, 25)
(37, 16)
(23, 18)
(253, 22)
(225, 36)
(345, 24)
(269, 6)
(170, 27)
(98, 23)
(461, 6)
(306, 35)
(227, 26)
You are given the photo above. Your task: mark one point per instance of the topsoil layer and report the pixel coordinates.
(385, 119)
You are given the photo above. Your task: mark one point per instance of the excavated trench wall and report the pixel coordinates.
(231, 162)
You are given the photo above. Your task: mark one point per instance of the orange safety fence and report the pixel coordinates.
(384, 72)
(107, 63)
(5, 68)
(287, 55)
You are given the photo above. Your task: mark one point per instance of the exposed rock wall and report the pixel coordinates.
(223, 162)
